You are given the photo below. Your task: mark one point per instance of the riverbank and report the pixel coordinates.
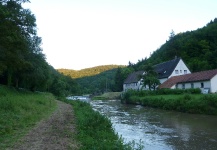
(184, 102)
(56, 132)
(108, 96)
(94, 130)
(20, 111)
(37, 121)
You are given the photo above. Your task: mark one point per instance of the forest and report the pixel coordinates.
(88, 71)
(22, 62)
(197, 48)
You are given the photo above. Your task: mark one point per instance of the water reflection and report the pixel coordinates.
(160, 129)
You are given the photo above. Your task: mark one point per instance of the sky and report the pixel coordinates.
(80, 34)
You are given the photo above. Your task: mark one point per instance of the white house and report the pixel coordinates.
(205, 80)
(164, 70)
(171, 68)
(133, 81)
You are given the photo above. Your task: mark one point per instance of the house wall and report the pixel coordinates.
(180, 69)
(206, 85)
(214, 84)
(162, 80)
(133, 86)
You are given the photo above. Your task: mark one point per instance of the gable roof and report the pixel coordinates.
(165, 69)
(197, 76)
(134, 77)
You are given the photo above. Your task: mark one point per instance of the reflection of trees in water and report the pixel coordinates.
(191, 131)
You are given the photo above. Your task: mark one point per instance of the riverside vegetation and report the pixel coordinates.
(188, 101)
(95, 131)
(20, 110)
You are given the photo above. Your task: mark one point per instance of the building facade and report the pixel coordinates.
(164, 70)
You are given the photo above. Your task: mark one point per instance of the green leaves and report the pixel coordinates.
(150, 77)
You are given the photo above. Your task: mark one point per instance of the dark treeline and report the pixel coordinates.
(197, 48)
(22, 62)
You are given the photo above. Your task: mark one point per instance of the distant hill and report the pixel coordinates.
(197, 48)
(88, 71)
(99, 83)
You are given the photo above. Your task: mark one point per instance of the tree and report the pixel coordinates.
(172, 34)
(120, 76)
(16, 28)
(150, 77)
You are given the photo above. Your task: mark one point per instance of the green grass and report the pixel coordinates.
(95, 131)
(107, 96)
(189, 103)
(20, 111)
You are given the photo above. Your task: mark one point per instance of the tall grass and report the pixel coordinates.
(95, 131)
(190, 103)
(19, 111)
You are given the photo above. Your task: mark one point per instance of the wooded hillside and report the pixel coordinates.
(88, 71)
(197, 48)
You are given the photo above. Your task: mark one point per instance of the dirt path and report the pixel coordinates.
(54, 133)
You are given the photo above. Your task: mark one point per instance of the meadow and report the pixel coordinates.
(20, 110)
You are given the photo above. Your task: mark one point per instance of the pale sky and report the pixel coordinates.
(79, 34)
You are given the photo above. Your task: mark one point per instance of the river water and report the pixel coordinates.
(157, 129)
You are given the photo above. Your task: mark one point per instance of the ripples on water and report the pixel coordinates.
(158, 129)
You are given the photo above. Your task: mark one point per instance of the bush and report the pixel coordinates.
(143, 93)
(190, 103)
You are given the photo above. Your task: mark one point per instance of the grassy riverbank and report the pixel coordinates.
(108, 96)
(95, 131)
(19, 111)
(183, 102)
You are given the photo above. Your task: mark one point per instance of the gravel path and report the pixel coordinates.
(54, 133)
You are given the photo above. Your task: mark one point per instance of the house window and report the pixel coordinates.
(202, 85)
(192, 85)
(180, 71)
(176, 86)
(185, 71)
(177, 71)
(183, 86)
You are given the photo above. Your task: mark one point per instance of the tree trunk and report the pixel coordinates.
(9, 77)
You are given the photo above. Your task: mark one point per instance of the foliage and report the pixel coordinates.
(197, 48)
(88, 71)
(189, 103)
(150, 77)
(142, 93)
(19, 111)
(98, 84)
(120, 76)
(22, 63)
(94, 130)
(108, 96)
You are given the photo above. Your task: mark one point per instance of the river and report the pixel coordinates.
(157, 129)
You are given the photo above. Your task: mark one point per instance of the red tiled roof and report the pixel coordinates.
(197, 76)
